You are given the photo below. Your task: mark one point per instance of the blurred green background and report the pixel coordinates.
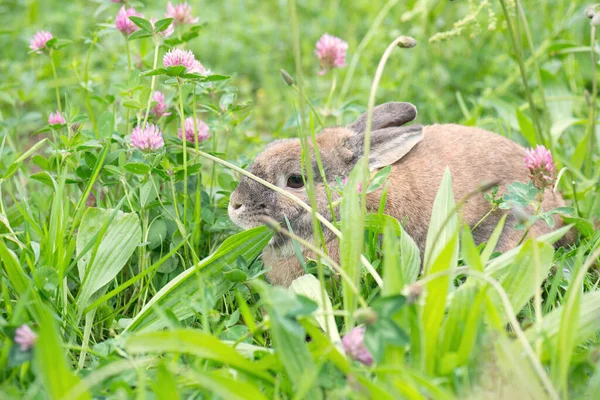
(472, 77)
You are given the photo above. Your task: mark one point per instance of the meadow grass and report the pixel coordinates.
(123, 276)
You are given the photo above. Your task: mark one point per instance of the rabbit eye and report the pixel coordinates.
(295, 181)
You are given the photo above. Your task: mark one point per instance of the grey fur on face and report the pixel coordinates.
(339, 149)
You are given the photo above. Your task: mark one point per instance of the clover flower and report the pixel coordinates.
(167, 32)
(147, 139)
(182, 13)
(541, 167)
(123, 23)
(39, 40)
(354, 345)
(25, 337)
(56, 119)
(203, 130)
(331, 52)
(160, 107)
(186, 58)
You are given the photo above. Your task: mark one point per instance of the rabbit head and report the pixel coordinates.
(339, 148)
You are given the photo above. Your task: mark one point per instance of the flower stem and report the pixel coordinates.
(128, 115)
(86, 77)
(591, 128)
(184, 141)
(152, 84)
(310, 188)
(331, 91)
(520, 60)
(198, 202)
(363, 44)
(55, 81)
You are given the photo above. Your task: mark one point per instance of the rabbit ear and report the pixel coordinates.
(388, 145)
(385, 116)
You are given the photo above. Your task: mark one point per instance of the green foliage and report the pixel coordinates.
(136, 283)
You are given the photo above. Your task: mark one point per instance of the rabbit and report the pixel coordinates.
(418, 155)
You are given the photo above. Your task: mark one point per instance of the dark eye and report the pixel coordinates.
(295, 181)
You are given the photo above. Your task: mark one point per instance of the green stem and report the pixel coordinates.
(128, 56)
(198, 202)
(152, 84)
(331, 91)
(483, 218)
(591, 129)
(310, 105)
(184, 141)
(128, 113)
(401, 41)
(363, 44)
(55, 81)
(310, 189)
(520, 60)
(86, 78)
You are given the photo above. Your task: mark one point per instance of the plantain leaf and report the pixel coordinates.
(441, 254)
(176, 295)
(193, 342)
(111, 250)
(223, 385)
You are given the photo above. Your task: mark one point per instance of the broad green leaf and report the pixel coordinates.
(142, 23)
(587, 324)
(493, 240)
(98, 267)
(518, 279)
(162, 24)
(526, 127)
(441, 254)
(165, 385)
(461, 328)
(379, 178)
(151, 72)
(435, 302)
(409, 254)
(289, 338)
(14, 166)
(141, 34)
(443, 225)
(352, 240)
(309, 286)
(177, 70)
(19, 280)
(45, 178)
(197, 343)
(469, 250)
(50, 361)
(496, 265)
(223, 385)
(510, 375)
(137, 168)
(176, 294)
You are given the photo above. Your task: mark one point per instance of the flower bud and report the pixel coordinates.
(366, 316)
(287, 78)
(406, 42)
(596, 19)
(590, 11)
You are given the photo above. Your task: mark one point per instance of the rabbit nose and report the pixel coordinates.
(236, 204)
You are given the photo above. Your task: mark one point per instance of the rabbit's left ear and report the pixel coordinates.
(386, 115)
(390, 141)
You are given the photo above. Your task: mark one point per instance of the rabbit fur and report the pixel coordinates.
(418, 155)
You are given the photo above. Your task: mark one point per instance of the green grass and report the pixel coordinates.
(128, 269)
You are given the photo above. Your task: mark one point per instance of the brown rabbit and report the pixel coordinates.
(419, 156)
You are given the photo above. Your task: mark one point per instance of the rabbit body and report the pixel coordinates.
(418, 155)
